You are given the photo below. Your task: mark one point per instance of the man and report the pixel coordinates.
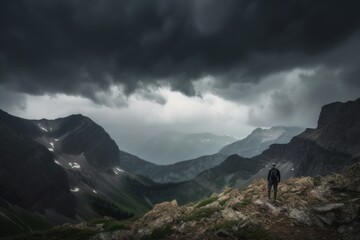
(273, 180)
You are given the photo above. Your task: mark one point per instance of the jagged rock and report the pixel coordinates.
(232, 215)
(329, 207)
(223, 233)
(350, 232)
(300, 216)
(214, 204)
(160, 215)
(116, 235)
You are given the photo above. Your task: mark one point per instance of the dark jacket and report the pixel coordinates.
(277, 175)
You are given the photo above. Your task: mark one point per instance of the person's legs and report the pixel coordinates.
(275, 189)
(270, 183)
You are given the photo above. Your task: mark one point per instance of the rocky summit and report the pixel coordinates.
(307, 208)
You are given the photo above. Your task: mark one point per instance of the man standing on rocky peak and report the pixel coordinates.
(273, 180)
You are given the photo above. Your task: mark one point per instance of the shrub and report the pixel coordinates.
(200, 213)
(113, 226)
(253, 232)
(162, 232)
(317, 180)
(206, 201)
(225, 224)
(59, 233)
(242, 204)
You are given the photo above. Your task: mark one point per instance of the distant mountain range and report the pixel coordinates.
(252, 145)
(170, 147)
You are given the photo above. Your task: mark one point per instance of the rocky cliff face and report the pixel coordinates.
(332, 146)
(307, 208)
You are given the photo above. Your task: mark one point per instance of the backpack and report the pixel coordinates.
(274, 174)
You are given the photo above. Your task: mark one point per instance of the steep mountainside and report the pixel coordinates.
(260, 140)
(333, 145)
(28, 175)
(170, 147)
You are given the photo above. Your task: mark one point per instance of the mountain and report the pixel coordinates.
(330, 147)
(260, 140)
(28, 170)
(306, 208)
(69, 169)
(170, 147)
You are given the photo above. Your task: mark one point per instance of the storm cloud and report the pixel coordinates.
(82, 47)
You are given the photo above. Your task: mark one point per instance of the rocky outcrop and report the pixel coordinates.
(307, 208)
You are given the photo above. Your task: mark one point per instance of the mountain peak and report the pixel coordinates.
(260, 140)
(340, 113)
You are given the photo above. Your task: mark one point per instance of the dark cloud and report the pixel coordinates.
(299, 101)
(83, 46)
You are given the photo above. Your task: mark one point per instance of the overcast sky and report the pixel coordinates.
(139, 67)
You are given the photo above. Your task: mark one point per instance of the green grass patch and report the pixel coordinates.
(206, 201)
(241, 205)
(115, 225)
(59, 233)
(110, 225)
(227, 190)
(200, 213)
(226, 225)
(106, 207)
(162, 232)
(100, 221)
(223, 202)
(316, 180)
(253, 232)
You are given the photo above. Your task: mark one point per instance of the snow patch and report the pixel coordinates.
(117, 170)
(52, 144)
(94, 191)
(51, 150)
(292, 169)
(57, 162)
(74, 190)
(44, 129)
(74, 165)
(56, 139)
